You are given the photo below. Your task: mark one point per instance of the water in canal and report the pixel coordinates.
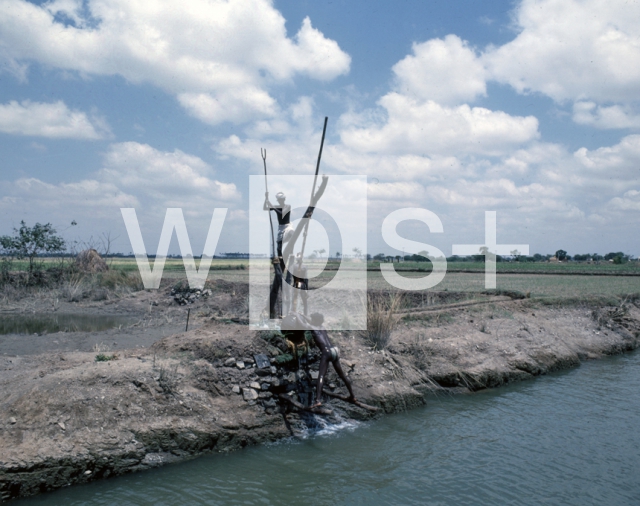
(568, 438)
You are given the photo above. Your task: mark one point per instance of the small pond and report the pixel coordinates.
(51, 323)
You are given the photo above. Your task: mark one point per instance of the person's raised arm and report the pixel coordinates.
(267, 205)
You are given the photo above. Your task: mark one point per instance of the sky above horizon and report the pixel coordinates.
(527, 108)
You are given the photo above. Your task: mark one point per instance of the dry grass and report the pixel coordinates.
(382, 319)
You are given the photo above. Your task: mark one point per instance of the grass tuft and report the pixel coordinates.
(381, 319)
(103, 357)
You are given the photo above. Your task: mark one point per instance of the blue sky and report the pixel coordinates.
(528, 108)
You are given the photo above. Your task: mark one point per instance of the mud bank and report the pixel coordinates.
(67, 419)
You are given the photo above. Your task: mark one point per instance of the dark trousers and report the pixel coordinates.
(275, 309)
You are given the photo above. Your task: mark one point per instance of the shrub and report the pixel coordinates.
(103, 357)
(168, 378)
(29, 242)
(381, 320)
(115, 279)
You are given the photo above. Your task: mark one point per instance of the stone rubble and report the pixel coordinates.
(189, 296)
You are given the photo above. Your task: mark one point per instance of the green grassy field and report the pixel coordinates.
(541, 280)
(171, 265)
(538, 286)
(532, 267)
(175, 264)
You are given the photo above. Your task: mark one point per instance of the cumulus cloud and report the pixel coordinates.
(291, 140)
(166, 179)
(496, 194)
(446, 71)
(54, 120)
(401, 191)
(133, 175)
(615, 116)
(202, 51)
(630, 201)
(236, 106)
(572, 50)
(428, 127)
(87, 196)
(621, 160)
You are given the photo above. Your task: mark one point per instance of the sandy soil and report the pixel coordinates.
(65, 418)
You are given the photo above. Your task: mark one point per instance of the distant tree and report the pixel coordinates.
(561, 254)
(422, 256)
(484, 255)
(338, 254)
(357, 252)
(516, 255)
(321, 252)
(29, 242)
(380, 256)
(368, 257)
(618, 257)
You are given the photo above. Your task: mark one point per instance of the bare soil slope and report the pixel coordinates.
(65, 418)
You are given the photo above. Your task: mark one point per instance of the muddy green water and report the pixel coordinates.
(569, 438)
(51, 323)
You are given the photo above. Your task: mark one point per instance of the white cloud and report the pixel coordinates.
(572, 50)
(133, 175)
(291, 139)
(201, 51)
(82, 197)
(615, 116)
(630, 201)
(53, 120)
(237, 105)
(166, 179)
(445, 71)
(430, 128)
(620, 162)
(496, 193)
(400, 191)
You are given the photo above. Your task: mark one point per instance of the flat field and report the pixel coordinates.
(537, 279)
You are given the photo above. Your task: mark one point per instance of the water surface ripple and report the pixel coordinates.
(568, 438)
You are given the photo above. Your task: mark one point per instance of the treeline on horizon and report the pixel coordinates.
(615, 257)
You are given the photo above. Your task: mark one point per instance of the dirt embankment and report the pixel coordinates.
(66, 418)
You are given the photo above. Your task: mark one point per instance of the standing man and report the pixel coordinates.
(287, 291)
(283, 213)
(285, 230)
(286, 233)
(301, 283)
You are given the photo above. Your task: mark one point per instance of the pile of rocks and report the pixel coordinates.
(263, 381)
(188, 295)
